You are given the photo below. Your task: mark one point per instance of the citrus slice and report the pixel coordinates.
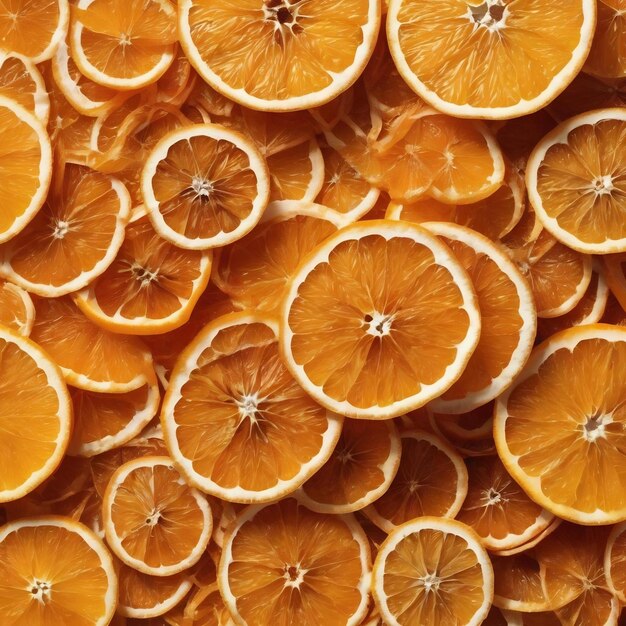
(508, 315)
(566, 461)
(325, 46)
(205, 186)
(142, 596)
(22, 81)
(262, 435)
(153, 521)
(614, 313)
(431, 480)
(344, 190)
(53, 569)
(608, 52)
(589, 309)
(33, 28)
(360, 469)
(32, 388)
(283, 562)
(575, 179)
(497, 508)
(17, 310)
(614, 559)
(124, 45)
(297, 173)
(90, 357)
(255, 270)
(25, 167)
(526, 547)
(176, 85)
(103, 421)
(343, 327)
(151, 286)
(432, 572)
(430, 41)
(73, 238)
(615, 270)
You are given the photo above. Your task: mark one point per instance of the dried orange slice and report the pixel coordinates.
(526, 547)
(176, 85)
(431, 480)
(607, 56)
(73, 238)
(142, 596)
(124, 45)
(53, 569)
(90, 357)
(230, 389)
(343, 327)
(153, 521)
(205, 186)
(575, 179)
(325, 45)
(33, 28)
(255, 270)
(508, 315)
(103, 421)
(432, 571)
(614, 559)
(17, 310)
(360, 469)
(151, 286)
(32, 388)
(22, 81)
(284, 562)
(498, 509)
(25, 167)
(429, 39)
(584, 430)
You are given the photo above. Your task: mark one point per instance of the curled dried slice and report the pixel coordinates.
(22, 81)
(17, 310)
(297, 173)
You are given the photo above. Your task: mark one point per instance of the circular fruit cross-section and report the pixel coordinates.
(205, 186)
(576, 180)
(565, 462)
(153, 520)
(283, 562)
(35, 415)
(54, 570)
(236, 422)
(379, 319)
(432, 571)
(283, 55)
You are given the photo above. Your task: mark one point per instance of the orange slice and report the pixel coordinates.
(508, 315)
(33, 28)
(153, 521)
(614, 313)
(497, 508)
(90, 357)
(342, 327)
(25, 167)
(32, 388)
(206, 606)
(262, 436)
(359, 471)
(255, 270)
(124, 45)
(151, 286)
(432, 571)
(431, 480)
(614, 559)
(575, 179)
(608, 53)
(526, 547)
(17, 310)
(73, 238)
(282, 562)
(108, 420)
(589, 309)
(22, 81)
(344, 190)
(429, 39)
(615, 270)
(53, 569)
(325, 46)
(566, 461)
(142, 596)
(205, 186)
